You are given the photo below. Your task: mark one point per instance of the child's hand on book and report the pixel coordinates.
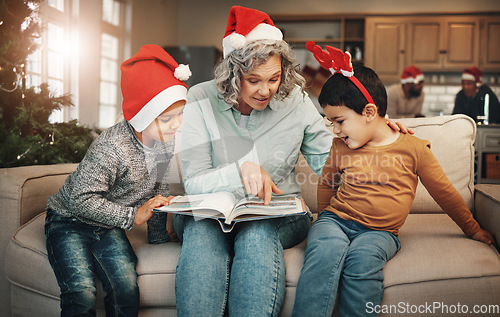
(258, 182)
(484, 236)
(146, 211)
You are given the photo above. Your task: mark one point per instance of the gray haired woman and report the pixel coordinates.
(242, 133)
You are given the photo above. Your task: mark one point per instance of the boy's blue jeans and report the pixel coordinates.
(78, 252)
(244, 269)
(347, 257)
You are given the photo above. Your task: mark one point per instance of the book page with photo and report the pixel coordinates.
(228, 209)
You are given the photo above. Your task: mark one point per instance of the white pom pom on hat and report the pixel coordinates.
(245, 25)
(151, 81)
(182, 72)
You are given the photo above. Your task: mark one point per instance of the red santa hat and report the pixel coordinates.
(151, 81)
(412, 75)
(245, 25)
(472, 73)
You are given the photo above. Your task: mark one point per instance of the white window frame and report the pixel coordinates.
(48, 14)
(117, 31)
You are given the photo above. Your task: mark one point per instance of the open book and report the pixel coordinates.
(228, 210)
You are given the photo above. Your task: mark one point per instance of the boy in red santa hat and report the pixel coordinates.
(122, 177)
(476, 97)
(405, 99)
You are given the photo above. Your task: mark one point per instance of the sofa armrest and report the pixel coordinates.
(487, 208)
(24, 191)
(23, 194)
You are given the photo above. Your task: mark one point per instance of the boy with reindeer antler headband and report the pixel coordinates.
(365, 192)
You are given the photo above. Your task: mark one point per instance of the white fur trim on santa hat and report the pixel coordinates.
(237, 41)
(413, 80)
(156, 106)
(468, 76)
(263, 31)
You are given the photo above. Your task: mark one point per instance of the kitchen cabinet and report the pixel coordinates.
(435, 43)
(385, 47)
(490, 44)
(443, 43)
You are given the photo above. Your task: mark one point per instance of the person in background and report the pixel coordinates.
(364, 203)
(122, 177)
(475, 97)
(405, 100)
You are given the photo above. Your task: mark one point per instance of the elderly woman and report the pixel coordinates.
(243, 132)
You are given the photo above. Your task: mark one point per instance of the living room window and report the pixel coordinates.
(49, 63)
(109, 92)
(57, 61)
(108, 95)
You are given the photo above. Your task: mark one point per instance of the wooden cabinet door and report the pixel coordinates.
(490, 44)
(437, 43)
(460, 47)
(385, 47)
(424, 43)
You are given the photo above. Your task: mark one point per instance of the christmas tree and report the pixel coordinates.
(26, 135)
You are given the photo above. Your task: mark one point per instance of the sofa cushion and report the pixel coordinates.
(156, 266)
(156, 269)
(436, 243)
(434, 255)
(452, 139)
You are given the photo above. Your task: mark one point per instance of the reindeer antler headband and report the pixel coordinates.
(337, 62)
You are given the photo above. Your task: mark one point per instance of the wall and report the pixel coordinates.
(85, 95)
(153, 22)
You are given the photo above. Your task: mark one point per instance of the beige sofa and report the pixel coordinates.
(438, 271)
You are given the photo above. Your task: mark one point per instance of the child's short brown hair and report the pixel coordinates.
(341, 91)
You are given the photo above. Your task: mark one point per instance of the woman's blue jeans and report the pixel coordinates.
(244, 269)
(78, 252)
(347, 257)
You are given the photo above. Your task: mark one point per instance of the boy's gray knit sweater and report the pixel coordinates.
(117, 175)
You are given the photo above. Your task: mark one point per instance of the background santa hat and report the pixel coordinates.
(472, 73)
(412, 75)
(151, 81)
(245, 25)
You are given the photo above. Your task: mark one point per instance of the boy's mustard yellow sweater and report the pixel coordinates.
(375, 186)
